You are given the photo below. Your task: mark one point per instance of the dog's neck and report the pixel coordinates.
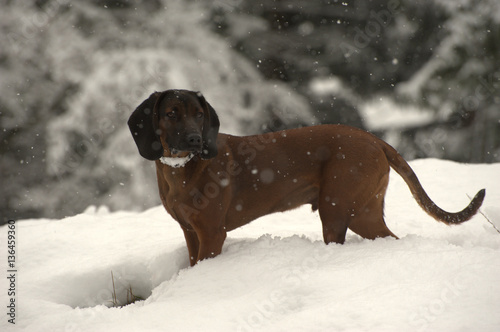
(177, 162)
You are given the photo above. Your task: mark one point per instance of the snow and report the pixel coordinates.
(275, 274)
(176, 162)
(383, 113)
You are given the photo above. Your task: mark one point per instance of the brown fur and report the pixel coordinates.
(341, 171)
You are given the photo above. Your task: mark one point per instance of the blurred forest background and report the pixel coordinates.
(423, 75)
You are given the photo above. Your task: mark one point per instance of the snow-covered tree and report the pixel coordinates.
(74, 71)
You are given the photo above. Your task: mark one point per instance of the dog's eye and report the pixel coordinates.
(170, 115)
(199, 115)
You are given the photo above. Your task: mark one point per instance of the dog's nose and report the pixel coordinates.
(194, 139)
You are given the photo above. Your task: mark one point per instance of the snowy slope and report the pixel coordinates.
(275, 274)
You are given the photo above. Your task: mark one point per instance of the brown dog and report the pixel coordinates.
(213, 183)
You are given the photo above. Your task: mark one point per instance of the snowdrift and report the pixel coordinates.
(275, 274)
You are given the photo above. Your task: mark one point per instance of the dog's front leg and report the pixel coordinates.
(193, 244)
(211, 243)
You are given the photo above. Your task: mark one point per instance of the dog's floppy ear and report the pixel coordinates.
(143, 130)
(210, 129)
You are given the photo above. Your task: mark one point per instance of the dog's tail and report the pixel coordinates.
(404, 170)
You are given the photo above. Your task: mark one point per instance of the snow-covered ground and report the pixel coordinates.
(275, 274)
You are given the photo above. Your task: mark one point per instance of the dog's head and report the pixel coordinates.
(175, 121)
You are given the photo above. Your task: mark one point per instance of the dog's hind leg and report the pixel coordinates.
(334, 217)
(354, 199)
(368, 221)
(334, 227)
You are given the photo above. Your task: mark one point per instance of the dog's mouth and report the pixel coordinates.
(178, 153)
(192, 144)
(177, 158)
(174, 152)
